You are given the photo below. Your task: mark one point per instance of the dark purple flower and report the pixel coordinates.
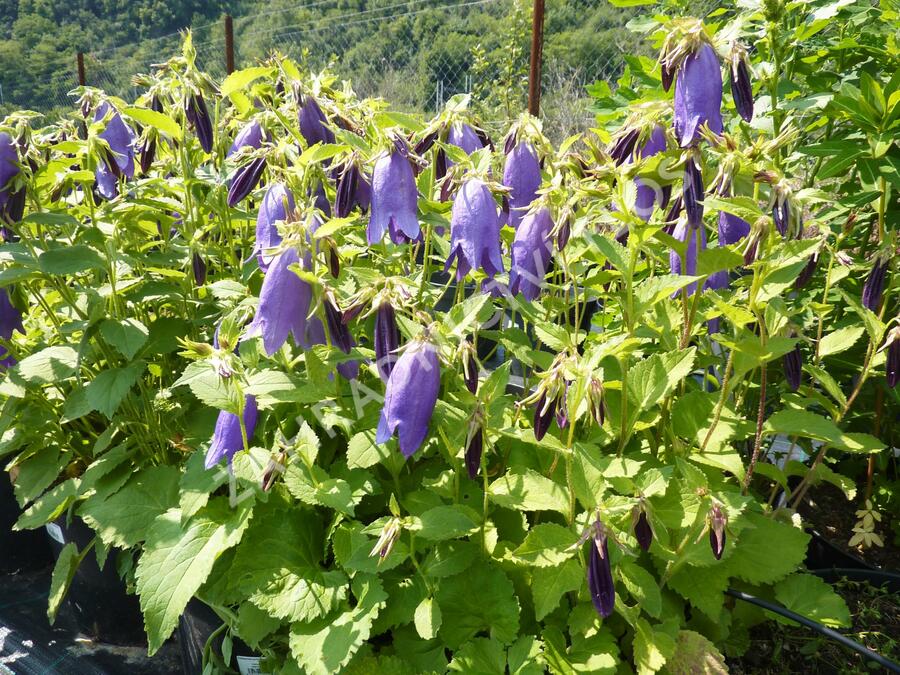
(410, 397)
(474, 449)
(692, 192)
(667, 76)
(698, 95)
(387, 339)
(12, 212)
(530, 254)
(522, 175)
(10, 320)
(119, 161)
(198, 117)
(464, 137)
(731, 228)
(781, 214)
(250, 136)
(599, 575)
(717, 523)
(284, 301)
(696, 241)
(646, 194)
(741, 89)
(394, 200)
(806, 274)
(9, 167)
(892, 364)
(227, 438)
(352, 190)
(874, 286)
(642, 531)
(276, 205)
(340, 334)
(245, 179)
(313, 123)
(147, 153)
(470, 371)
(474, 231)
(793, 368)
(623, 145)
(544, 412)
(315, 335)
(198, 264)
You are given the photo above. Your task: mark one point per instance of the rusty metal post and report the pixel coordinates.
(537, 49)
(82, 80)
(229, 45)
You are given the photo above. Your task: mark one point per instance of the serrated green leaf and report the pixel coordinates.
(446, 522)
(50, 365)
(157, 120)
(809, 596)
(127, 336)
(652, 648)
(546, 545)
(63, 573)
(479, 657)
(107, 391)
(643, 587)
(695, 655)
(549, 584)
(241, 79)
(482, 599)
(840, 340)
(427, 619)
(70, 260)
(527, 490)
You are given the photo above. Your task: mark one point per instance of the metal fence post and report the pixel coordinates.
(229, 45)
(82, 80)
(537, 48)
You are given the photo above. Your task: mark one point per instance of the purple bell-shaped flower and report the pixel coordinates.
(10, 320)
(474, 231)
(698, 95)
(522, 175)
(313, 123)
(277, 203)
(284, 302)
(9, 167)
(120, 159)
(531, 252)
(646, 194)
(394, 200)
(227, 438)
(250, 136)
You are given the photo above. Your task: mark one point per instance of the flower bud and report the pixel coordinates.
(198, 265)
(544, 412)
(599, 572)
(245, 179)
(474, 447)
(717, 520)
(874, 286)
(390, 533)
(387, 339)
(793, 368)
(198, 117)
(595, 401)
(642, 530)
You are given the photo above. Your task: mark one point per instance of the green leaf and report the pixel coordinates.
(208, 386)
(527, 490)
(107, 391)
(479, 657)
(325, 646)
(802, 423)
(124, 518)
(70, 260)
(49, 506)
(363, 452)
(319, 489)
(127, 336)
(177, 559)
(840, 340)
(241, 79)
(482, 599)
(643, 587)
(271, 387)
(651, 648)
(695, 655)
(449, 558)
(157, 120)
(753, 559)
(49, 366)
(63, 573)
(475, 309)
(428, 619)
(652, 378)
(549, 584)
(525, 657)
(811, 597)
(447, 522)
(546, 545)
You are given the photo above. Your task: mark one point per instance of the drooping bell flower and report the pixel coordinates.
(874, 285)
(198, 265)
(716, 521)
(313, 123)
(394, 199)
(599, 572)
(781, 214)
(470, 367)
(642, 530)
(284, 301)
(277, 203)
(198, 117)
(698, 95)
(340, 334)
(806, 274)
(227, 438)
(544, 413)
(892, 362)
(464, 137)
(12, 212)
(9, 167)
(596, 405)
(474, 450)
(732, 228)
(10, 320)
(119, 160)
(696, 241)
(522, 175)
(692, 191)
(315, 335)
(250, 136)
(387, 339)
(531, 253)
(741, 87)
(623, 144)
(646, 194)
(410, 397)
(793, 368)
(352, 190)
(474, 231)
(245, 179)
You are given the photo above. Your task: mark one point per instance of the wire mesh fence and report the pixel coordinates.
(414, 54)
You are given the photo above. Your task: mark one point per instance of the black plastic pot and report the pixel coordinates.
(869, 576)
(102, 607)
(821, 554)
(26, 550)
(195, 626)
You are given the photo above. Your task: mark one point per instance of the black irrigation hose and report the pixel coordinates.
(819, 628)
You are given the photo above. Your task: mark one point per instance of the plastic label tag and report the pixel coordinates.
(249, 665)
(55, 531)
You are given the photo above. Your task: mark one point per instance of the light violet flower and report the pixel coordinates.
(394, 200)
(313, 123)
(410, 397)
(474, 231)
(276, 204)
(696, 241)
(227, 439)
(120, 158)
(646, 194)
(9, 167)
(698, 95)
(531, 253)
(522, 175)
(464, 137)
(250, 136)
(284, 301)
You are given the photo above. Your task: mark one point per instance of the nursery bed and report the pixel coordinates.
(28, 644)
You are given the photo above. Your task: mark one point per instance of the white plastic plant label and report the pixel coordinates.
(249, 665)
(55, 531)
